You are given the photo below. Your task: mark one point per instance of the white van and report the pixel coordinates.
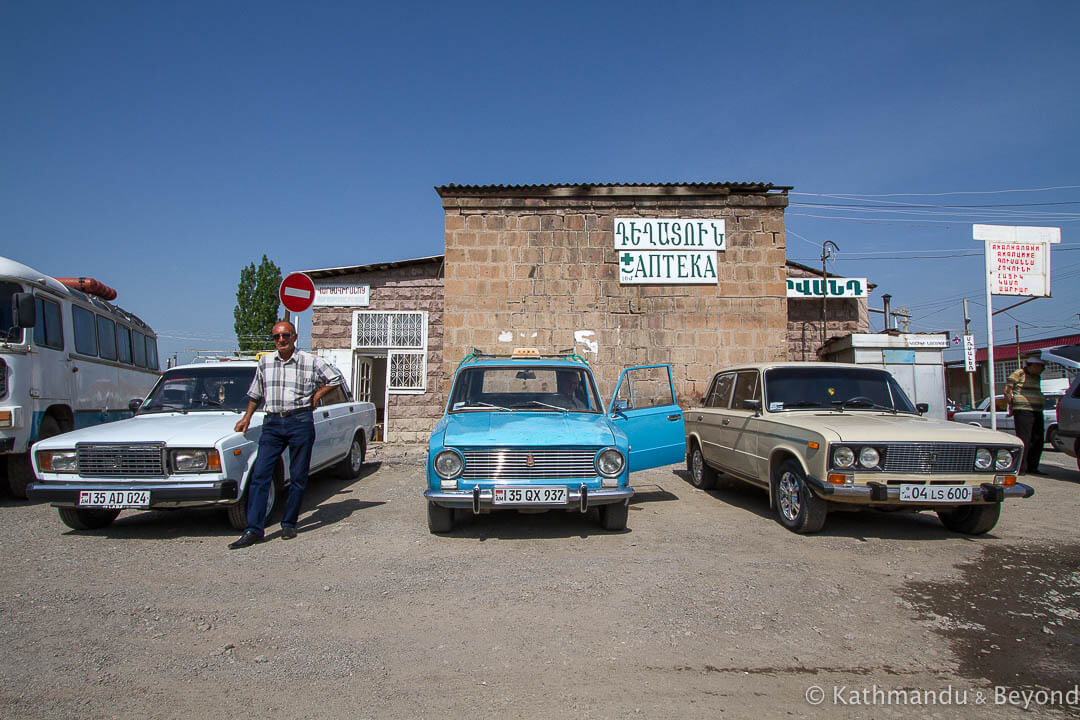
(68, 359)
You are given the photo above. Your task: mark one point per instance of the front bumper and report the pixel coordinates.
(874, 493)
(162, 495)
(480, 499)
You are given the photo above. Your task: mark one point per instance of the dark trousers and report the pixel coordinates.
(296, 432)
(1029, 428)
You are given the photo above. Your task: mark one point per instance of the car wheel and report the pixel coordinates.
(20, 471)
(351, 465)
(971, 520)
(1053, 440)
(614, 516)
(797, 508)
(701, 475)
(238, 510)
(439, 519)
(86, 519)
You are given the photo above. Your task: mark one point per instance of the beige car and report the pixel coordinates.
(823, 437)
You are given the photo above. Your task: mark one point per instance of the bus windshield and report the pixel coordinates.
(8, 331)
(194, 389)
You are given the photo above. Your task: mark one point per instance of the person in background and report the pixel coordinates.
(290, 383)
(1023, 392)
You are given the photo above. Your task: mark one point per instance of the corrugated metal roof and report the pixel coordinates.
(354, 269)
(752, 187)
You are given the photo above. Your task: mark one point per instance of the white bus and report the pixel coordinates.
(68, 359)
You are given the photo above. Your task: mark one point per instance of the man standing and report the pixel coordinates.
(290, 382)
(1023, 392)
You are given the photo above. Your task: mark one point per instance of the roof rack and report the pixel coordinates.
(520, 354)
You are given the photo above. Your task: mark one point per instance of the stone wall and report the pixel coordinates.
(844, 315)
(412, 286)
(537, 267)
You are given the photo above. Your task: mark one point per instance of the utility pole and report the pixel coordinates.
(971, 375)
(1017, 345)
(825, 255)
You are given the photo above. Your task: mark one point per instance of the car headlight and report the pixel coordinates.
(843, 457)
(448, 464)
(984, 459)
(609, 463)
(869, 457)
(193, 461)
(1003, 460)
(58, 461)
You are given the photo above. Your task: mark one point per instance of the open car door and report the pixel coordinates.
(644, 408)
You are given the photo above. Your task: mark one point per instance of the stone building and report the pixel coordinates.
(557, 267)
(844, 316)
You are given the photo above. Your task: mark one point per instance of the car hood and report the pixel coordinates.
(526, 429)
(866, 426)
(197, 429)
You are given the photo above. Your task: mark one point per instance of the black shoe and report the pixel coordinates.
(287, 533)
(248, 538)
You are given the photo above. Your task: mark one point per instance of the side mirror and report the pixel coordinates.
(134, 404)
(923, 408)
(754, 405)
(619, 405)
(23, 312)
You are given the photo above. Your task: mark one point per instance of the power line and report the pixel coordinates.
(941, 194)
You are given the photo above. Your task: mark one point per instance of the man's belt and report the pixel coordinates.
(289, 413)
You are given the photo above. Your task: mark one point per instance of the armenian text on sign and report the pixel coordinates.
(669, 234)
(1018, 268)
(838, 287)
(342, 294)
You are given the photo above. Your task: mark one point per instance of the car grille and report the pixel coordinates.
(140, 460)
(526, 464)
(3, 379)
(928, 458)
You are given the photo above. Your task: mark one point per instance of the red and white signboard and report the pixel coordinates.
(297, 292)
(1018, 258)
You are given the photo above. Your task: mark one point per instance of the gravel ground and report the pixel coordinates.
(706, 607)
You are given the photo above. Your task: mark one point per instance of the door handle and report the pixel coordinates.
(674, 417)
(727, 421)
(326, 414)
(699, 417)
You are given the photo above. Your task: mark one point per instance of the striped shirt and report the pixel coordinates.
(290, 384)
(1027, 391)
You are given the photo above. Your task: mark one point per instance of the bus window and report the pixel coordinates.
(138, 346)
(151, 353)
(7, 331)
(123, 344)
(85, 330)
(106, 337)
(48, 332)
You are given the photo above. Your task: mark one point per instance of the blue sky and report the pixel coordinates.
(161, 146)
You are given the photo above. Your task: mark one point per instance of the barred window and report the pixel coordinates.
(404, 336)
(1003, 369)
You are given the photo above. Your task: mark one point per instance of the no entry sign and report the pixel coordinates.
(297, 292)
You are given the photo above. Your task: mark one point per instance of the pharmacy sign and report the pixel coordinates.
(669, 251)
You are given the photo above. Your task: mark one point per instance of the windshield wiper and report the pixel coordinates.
(802, 404)
(543, 404)
(860, 401)
(164, 407)
(483, 405)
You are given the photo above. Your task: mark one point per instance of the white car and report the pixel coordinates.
(180, 450)
(981, 416)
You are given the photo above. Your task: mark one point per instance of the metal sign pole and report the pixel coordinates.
(990, 341)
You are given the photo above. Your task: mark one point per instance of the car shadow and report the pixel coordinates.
(651, 493)
(864, 525)
(513, 525)
(212, 522)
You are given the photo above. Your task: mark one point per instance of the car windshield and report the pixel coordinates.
(194, 389)
(524, 387)
(810, 388)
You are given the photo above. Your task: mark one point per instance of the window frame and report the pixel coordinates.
(106, 333)
(396, 351)
(46, 326)
(78, 311)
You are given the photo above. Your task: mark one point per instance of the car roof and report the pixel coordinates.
(222, 364)
(791, 364)
(525, 362)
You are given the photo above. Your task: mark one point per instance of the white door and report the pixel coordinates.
(362, 378)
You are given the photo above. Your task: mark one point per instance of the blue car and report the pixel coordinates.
(529, 432)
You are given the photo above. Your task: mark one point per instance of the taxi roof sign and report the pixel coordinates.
(529, 352)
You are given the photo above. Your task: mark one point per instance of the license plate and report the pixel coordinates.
(542, 495)
(936, 493)
(114, 499)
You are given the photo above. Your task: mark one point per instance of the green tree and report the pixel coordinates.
(256, 308)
